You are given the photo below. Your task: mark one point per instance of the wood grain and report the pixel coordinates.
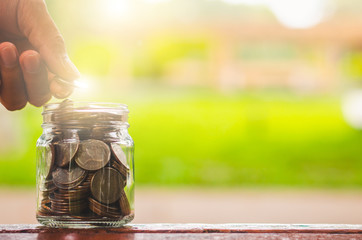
(187, 231)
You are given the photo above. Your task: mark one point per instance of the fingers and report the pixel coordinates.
(27, 81)
(35, 77)
(12, 91)
(37, 25)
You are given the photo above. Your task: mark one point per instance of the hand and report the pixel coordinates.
(32, 51)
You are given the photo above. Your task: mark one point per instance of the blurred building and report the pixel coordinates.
(234, 44)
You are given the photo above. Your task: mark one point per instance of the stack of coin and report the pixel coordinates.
(47, 188)
(85, 173)
(44, 209)
(107, 210)
(67, 202)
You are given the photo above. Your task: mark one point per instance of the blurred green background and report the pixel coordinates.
(221, 93)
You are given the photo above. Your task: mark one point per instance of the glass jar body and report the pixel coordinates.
(85, 174)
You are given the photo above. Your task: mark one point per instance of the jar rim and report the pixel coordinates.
(96, 113)
(84, 105)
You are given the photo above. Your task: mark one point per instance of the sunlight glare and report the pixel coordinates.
(292, 13)
(115, 9)
(246, 2)
(298, 14)
(155, 1)
(352, 108)
(84, 82)
(81, 84)
(85, 88)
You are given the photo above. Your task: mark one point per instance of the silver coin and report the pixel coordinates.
(93, 155)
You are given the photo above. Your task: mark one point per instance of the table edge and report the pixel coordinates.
(194, 228)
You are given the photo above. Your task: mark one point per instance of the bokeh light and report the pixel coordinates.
(352, 108)
(298, 14)
(293, 14)
(114, 10)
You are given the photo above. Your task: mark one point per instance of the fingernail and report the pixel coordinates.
(8, 56)
(32, 63)
(70, 68)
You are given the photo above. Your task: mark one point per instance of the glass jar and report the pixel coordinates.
(85, 168)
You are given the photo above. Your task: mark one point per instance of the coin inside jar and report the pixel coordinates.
(93, 155)
(106, 185)
(119, 154)
(68, 178)
(49, 160)
(65, 152)
(124, 204)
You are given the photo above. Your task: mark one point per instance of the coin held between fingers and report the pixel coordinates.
(61, 88)
(73, 84)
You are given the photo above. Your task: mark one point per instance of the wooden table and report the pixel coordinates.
(186, 231)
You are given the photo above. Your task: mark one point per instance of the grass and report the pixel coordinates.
(207, 138)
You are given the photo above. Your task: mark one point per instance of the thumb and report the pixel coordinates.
(41, 31)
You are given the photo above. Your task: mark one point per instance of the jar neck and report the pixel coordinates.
(82, 125)
(70, 114)
(105, 125)
(78, 132)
